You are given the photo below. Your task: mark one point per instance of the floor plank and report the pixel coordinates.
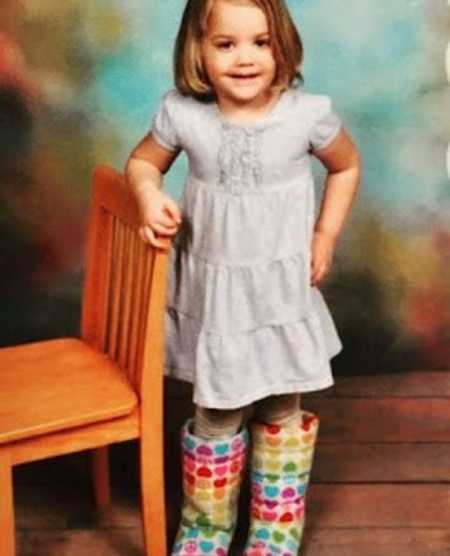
(425, 384)
(340, 462)
(373, 541)
(100, 542)
(379, 505)
(382, 420)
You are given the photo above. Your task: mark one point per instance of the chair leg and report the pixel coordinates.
(152, 496)
(7, 527)
(100, 473)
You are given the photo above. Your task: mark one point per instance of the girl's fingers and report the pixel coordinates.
(165, 230)
(316, 279)
(318, 272)
(313, 274)
(149, 236)
(166, 221)
(173, 210)
(146, 234)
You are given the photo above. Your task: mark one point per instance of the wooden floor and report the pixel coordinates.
(380, 483)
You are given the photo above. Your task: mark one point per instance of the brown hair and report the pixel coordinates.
(190, 75)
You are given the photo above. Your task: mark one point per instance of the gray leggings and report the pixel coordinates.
(223, 423)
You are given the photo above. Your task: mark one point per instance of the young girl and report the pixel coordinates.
(246, 323)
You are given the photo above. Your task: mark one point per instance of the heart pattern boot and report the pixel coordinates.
(212, 475)
(281, 464)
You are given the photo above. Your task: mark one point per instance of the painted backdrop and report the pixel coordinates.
(80, 81)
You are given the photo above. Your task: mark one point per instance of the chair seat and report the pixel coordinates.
(58, 384)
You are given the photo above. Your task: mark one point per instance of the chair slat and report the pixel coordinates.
(104, 279)
(136, 312)
(116, 287)
(127, 284)
(95, 307)
(149, 261)
(128, 305)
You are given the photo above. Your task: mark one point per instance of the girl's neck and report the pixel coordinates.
(249, 112)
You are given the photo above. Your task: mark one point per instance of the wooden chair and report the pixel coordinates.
(67, 395)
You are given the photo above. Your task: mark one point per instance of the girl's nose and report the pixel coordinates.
(245, 55)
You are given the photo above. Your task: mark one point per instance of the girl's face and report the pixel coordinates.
(237, 54)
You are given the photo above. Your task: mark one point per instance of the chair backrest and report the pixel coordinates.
(125, 285)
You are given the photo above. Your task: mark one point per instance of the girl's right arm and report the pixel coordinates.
(160, 214)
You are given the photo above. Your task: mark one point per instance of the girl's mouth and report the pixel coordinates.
(244, 77)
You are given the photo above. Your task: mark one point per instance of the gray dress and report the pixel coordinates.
(242, 319)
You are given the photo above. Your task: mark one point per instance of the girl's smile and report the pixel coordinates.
(238, 57)
(244, 78)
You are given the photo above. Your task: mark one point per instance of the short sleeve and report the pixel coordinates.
(164, 128)
(326, 125)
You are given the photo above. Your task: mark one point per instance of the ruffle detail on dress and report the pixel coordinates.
(239, 160)
(232, 299)
(234, 370)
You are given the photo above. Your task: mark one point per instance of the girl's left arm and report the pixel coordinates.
(341, 159)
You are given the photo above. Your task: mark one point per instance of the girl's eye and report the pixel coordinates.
(263, 42)
(224, 45)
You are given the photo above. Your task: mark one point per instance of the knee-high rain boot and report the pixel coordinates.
(281, 464)
(212, 473)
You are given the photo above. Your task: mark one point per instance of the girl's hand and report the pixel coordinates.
(160, 216)
(322, 250)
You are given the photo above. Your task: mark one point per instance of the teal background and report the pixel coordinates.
(80, 82)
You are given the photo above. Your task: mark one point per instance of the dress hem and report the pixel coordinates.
(297, 387)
